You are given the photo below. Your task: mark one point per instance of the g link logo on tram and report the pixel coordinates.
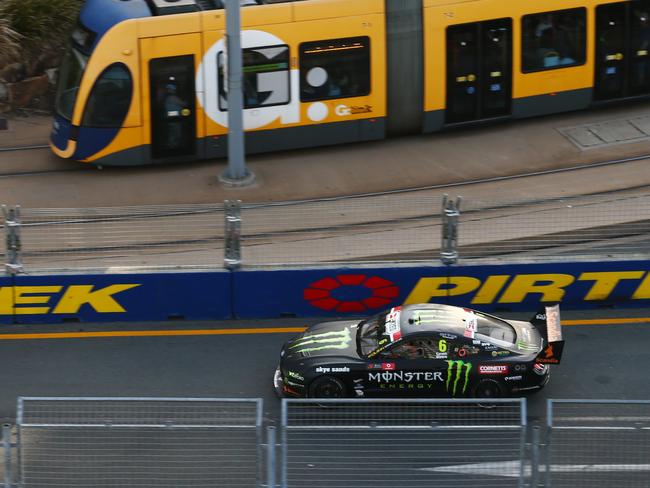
(144, 81)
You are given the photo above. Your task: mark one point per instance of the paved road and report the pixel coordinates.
(601, 361)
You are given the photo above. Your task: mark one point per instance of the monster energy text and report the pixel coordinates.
(403, 380)
(457, 376)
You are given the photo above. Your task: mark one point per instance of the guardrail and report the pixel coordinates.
(323, 443)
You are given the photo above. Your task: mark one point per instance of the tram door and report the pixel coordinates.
(173, 130)
(479, 70)
(622, 50)
(172, 96)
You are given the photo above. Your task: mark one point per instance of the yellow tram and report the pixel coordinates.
(144, 81)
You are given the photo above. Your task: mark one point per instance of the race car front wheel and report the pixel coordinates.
(327, 387)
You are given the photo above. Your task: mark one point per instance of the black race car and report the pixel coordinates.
(426, 350)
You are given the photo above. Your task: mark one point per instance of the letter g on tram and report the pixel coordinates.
(342, 110)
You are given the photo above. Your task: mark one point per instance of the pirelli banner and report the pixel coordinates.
(317, 292)
(521, 287)
(115, 297)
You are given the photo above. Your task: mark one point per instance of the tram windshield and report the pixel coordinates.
(72, 68)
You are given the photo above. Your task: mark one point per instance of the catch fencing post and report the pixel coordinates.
(450, 214)
(549, 435)
(270, 456)
(534, 458)
(232, 247)
(14, 264)
(6, 445)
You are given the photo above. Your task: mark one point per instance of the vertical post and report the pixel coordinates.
(14, 263)
(270, 456)
(19, 457)
(232, 246)
(450, 214)
(547, 445)
(523, 416)
(236, 174)
(6, 444)
(284, 447)
(534, 458)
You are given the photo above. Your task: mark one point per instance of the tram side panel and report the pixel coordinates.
(490, 59)
(312, 76)
(554, 63)
(310, 81)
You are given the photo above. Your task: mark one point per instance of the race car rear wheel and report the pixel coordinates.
(327, 387)
(488, 388)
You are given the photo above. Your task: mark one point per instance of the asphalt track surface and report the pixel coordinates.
(606, 357)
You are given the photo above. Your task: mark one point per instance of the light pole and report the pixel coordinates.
(236, 174)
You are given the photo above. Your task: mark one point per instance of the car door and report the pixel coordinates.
(413, 367)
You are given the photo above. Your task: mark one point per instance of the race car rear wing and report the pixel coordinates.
(547, 321)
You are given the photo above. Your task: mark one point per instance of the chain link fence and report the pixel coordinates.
(613, 225)
(598, 443)
(370, 229)
(407, 443)
(355, 443)
(147, 237)
(423, 227)
(132, 442)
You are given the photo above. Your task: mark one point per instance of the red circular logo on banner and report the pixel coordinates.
(332, 294)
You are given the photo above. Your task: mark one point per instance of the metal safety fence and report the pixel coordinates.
(405, 227)
(598, 443)
(139, 442)
(114, 239)
(355, 443)
(361, 443)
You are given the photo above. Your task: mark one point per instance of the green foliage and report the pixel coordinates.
(9, 42)
(39, 24)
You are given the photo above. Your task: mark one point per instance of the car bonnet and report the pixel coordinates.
(325, 339)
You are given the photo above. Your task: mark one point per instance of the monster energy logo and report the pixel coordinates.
(424, 316)
(453, 380)
(339, 339)
(524, 346)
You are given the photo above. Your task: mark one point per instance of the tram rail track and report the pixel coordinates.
(441, 186)
(23, 148)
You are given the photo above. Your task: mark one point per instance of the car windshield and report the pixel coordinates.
(72, 69)
(372, 332)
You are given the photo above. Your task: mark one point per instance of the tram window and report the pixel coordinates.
(265, 80)
(72, 69)
(337, 68)
(110, 98)
(553, 40)
(83, 38)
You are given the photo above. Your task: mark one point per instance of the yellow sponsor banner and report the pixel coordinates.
(39, 300)
(588, 286)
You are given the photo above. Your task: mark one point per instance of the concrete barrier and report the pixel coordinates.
(334, 291)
